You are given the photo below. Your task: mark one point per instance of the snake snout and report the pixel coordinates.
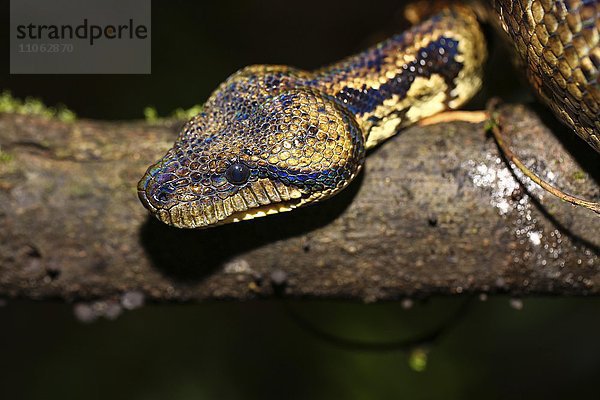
(159, 193)
(157, 188)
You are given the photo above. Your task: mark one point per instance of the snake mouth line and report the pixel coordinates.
(261, 211)
(257, 199)
(192, 215)
(144, 199)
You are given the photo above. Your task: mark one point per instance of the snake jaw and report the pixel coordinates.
(192, 217)
(184, 206)
(243, 205)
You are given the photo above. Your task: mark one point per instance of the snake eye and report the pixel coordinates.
(237, 173)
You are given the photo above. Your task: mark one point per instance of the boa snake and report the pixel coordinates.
(273, 138)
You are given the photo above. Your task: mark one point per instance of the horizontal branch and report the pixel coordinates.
(435, 211)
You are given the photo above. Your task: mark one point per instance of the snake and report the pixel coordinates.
(272, 138)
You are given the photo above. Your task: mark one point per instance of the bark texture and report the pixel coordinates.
(435, 211)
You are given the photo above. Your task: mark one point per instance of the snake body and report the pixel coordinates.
(558, 43)
(273, 138)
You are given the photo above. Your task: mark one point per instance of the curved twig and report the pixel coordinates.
(495, 127)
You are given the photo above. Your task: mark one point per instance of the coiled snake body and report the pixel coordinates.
(558, 44)
(274, 138)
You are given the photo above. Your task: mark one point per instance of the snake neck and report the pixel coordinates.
(434, 66)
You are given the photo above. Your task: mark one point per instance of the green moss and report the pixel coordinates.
(151, 114)
(578, 175)
(66, 115)
(32, 106)
(490, 124)
(5, 157)
(181, 113)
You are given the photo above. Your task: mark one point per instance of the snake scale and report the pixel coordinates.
(272, 138)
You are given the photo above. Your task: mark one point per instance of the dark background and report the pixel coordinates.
(256, 350)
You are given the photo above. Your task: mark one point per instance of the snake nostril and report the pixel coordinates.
(162, 195)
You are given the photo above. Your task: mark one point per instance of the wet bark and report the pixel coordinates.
(435, 211)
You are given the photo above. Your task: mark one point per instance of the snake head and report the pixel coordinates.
(248, 155)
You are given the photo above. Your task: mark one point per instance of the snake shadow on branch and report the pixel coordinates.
(186, 254)
(587, 158)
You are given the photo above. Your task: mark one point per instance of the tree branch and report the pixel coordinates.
(435, 211)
